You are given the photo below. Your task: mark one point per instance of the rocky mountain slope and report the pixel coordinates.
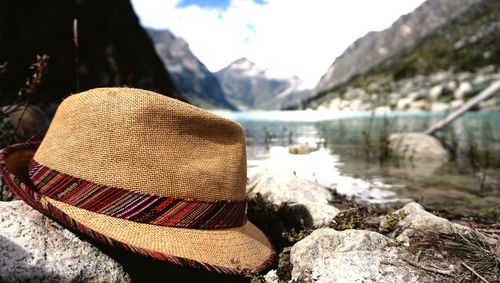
(375, 47)
(193, 80)
(247, 86)
(437, 73)
(113, 49)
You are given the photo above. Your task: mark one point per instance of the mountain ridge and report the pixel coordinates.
(250, 87)
(374, 47)
(193, 80)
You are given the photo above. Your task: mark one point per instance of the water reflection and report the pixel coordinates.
(354, 143)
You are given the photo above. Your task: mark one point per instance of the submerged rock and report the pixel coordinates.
(301, 149)
(417, 147)
(35, 248)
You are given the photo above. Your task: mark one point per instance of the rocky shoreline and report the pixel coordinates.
(442, 91)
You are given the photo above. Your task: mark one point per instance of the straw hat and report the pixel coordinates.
(146, 173)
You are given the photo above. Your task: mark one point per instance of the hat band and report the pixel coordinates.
(135, 206)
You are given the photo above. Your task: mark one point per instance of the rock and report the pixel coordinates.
(451, 86)
(307, 199)
(35, 248)
(404, 103)
(383, 109)
(439, 107)
(435, 92)
(301, 149)
(418, 105)
(327, 255)
(456, 103)
(314, 214)
(418, 220)
(462, 90)
(271, 277)
(417, 147)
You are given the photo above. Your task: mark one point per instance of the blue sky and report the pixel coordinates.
(211, 4)
(288, 37)
(208, 4)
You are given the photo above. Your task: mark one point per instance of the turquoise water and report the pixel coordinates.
(469, 182)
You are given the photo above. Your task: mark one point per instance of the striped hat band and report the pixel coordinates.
(135, 206)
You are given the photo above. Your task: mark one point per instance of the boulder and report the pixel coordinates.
(417, 220)
(327, 255)
(439, 107)
(462, 90)
(436, 91)
(302, 149)
(418, 105)
(305, 198)
(35, 248)
(417, 147)
(404, 103)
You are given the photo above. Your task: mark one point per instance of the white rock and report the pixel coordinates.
(439, 107)
(418, 105)
(327, 255)
(35, 248)
(417, 147)
(435, 92)
(479, 79)
(283, 188)
(403, 103)
(383, 109)
(418, 221)
(271, 277)
(456, 103)
(462, 90)
(452, 85)
(314, 214)
(302, 149)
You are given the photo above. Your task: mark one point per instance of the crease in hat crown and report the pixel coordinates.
(147, 143)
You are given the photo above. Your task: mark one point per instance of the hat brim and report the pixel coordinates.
(229, 251)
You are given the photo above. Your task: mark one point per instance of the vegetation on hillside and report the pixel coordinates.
(468, 42)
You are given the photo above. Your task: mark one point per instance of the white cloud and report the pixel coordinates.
(300, 37)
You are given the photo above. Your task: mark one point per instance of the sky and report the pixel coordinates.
(288, 37)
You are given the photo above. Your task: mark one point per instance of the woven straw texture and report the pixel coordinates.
(244, 247)
(146, 142)
(223, 251)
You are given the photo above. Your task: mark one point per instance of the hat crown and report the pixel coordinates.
(146, 142)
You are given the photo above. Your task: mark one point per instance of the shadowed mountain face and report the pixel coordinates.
(375, 47)
(113, 49)
(193, 80)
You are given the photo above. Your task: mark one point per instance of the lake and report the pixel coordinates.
(352, 160)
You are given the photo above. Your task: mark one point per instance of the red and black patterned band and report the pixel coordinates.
(135, 206)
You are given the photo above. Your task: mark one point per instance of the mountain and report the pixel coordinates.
(250, 87)
(375, 47)
(438, 73)
(193, 80)
(113, 49)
